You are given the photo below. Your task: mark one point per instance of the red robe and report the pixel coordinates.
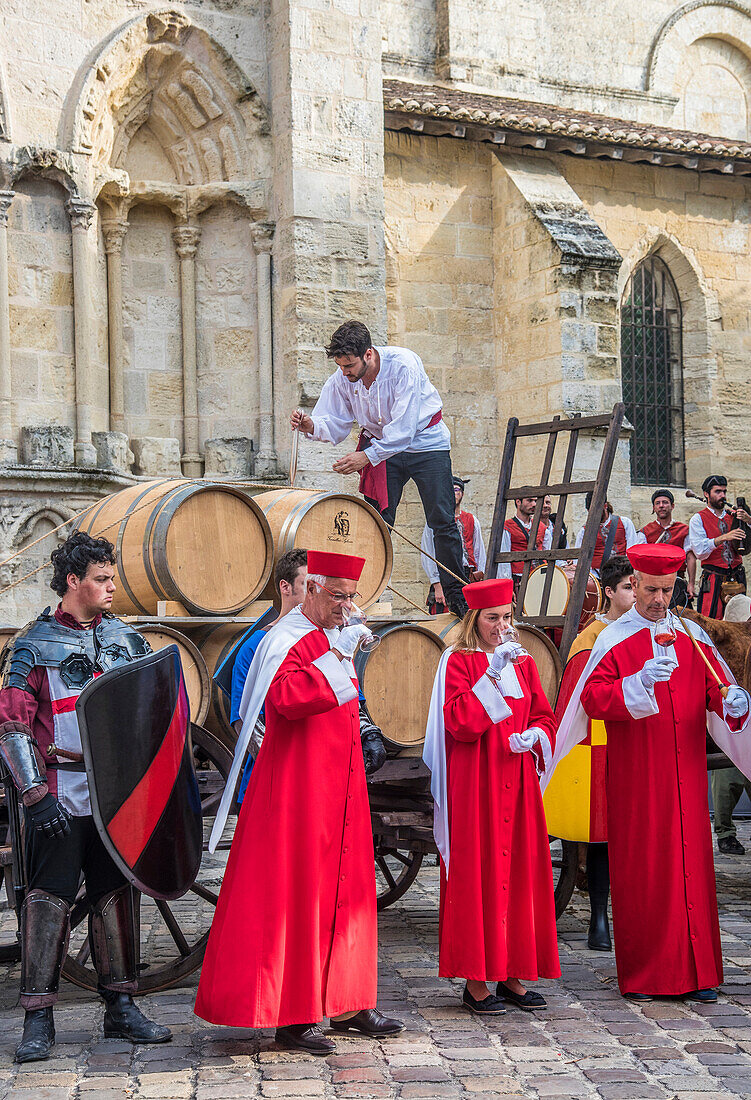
(497, 912)
(665, 924)
(294, 937)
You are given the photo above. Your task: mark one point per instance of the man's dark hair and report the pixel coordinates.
(351, 338)
(288, 567)
(588, 503)
(76, 554)
(613, 572)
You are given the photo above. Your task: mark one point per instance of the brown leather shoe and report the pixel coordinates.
(369, 1021)
(308, 1037)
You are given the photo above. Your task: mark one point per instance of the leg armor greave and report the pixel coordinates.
(45, 925)
(112, 930)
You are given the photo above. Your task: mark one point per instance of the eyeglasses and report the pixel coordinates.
(339, 597)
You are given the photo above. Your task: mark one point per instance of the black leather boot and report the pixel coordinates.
(123, 1019)
(38, 1035)
(598, 880)
(599, 933)
(44, 941)
(112, 935)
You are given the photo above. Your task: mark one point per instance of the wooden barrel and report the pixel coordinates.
(545, 656)
(445, 626)
(6, 634)
(397, 680)
(332, 521)
(194, 667)
(206, 545)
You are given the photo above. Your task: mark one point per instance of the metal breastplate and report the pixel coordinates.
(77, 654)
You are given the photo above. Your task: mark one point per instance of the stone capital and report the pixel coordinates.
(6, 198)
(113, 231)
(81, 213)
(186, 238)
(262, 234)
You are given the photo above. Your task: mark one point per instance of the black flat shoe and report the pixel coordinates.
(488, 1006)
(307, 1037)
(703, 996)
(369, 1021)
(38, 1036)
(639, 997)
(529, 1001)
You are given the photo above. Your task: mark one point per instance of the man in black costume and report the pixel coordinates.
(43, 671)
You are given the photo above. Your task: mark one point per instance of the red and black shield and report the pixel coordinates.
(135, 732)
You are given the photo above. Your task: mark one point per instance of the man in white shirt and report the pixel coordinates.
(474, 558)
(404, 437)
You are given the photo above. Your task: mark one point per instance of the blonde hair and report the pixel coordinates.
(469, 636)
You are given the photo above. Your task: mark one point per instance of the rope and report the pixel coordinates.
(401, 596)
(462, 580)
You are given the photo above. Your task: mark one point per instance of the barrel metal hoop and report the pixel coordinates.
(294, 518)
(269, 504)
(121, 536)
(154, 525)
(119, 544)
(163, 579)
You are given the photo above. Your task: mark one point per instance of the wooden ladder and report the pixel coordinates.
(612, 422)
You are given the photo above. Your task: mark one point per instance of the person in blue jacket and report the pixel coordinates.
(289, 581)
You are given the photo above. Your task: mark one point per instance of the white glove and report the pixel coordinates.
(503, 655)
(656, 670)
(736, 702)
(349, 639)
(524, 741)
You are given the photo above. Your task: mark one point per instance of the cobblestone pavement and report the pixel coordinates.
(590, 1042)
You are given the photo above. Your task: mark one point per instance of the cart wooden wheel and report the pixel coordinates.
(564, 855)
(173, 934)
(396, 869)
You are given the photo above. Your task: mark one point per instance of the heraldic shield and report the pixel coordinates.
(135, 732)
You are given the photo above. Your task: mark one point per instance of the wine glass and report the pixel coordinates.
(354, 616)
(511, 634)
(666, 631)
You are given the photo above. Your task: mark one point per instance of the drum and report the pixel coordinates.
(560, 592)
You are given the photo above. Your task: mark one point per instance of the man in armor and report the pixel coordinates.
(43, 672)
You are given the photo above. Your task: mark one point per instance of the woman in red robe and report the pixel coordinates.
(490, 731)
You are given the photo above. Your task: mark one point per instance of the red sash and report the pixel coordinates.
(373, 478)
(467, 529)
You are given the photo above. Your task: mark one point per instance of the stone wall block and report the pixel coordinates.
(228, 458)
(47, 445)
(156, 456)
(112, 451)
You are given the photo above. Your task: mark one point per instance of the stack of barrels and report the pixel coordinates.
(209, 550)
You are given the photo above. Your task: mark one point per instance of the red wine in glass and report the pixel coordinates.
(665, 632)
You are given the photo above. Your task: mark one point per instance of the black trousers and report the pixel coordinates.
(56, 865)
(598, 873)
(431, 473)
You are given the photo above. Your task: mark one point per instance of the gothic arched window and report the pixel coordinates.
(652, 374)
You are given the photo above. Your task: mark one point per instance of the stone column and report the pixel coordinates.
(328, 212)
(8, 447)
(114, 230)
(81, 217)
(266, 461)
(186, 238)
